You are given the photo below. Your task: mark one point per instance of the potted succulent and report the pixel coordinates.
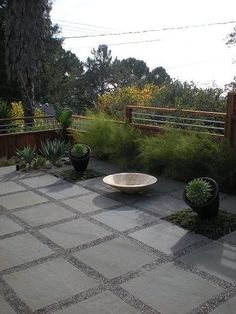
(202, 195)
(79, 156)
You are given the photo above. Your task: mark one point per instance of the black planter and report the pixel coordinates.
(81, 163)
(211, 208)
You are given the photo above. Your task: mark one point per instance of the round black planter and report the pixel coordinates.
(80, 164)
(211, 208)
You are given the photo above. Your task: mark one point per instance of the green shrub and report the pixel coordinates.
(198, 191)
(38, 161)
(54, 150)
(5, 113)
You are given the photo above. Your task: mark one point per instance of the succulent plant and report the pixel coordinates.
(79, 150)
(54, 150)
(198, 191)
(26, 154)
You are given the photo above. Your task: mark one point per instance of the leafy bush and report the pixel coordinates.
(38, 162)
(26, 154)
(198, 191)
(54, 150)
(17, 112)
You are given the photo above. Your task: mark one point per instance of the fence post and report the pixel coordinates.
(129, 113)
(230, 127)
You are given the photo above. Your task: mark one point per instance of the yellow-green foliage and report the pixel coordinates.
(38, 113)
(114, 103)
(17, 112)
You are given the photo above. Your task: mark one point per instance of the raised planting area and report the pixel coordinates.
(214, 228)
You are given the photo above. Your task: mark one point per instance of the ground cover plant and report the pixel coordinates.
(74, 176)
(214, 228)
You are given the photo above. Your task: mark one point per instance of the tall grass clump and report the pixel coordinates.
(184, 156)
(110, 140)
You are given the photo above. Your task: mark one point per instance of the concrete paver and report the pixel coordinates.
(226, 308)
(115, 257)
(64, 190)
(171, 290)
(216, 258)
(103, 303)
(49, 282)
(21, 199)
(21, 249)
(44, 213)
(74, 233)
(41, 181)
(8, 226)
(10, 187)
(124, 217)
(167, 237)
(162, 206)
(5, 307)
(90, 202)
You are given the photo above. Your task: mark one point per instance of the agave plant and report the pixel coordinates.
(198, 191)
(26, 154)
(79, 150)
(54, 150)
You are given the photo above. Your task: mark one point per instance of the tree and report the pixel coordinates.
(128, 72)
(98, 74)
(8, 91)
(27, 24)
(159, 76)
(232, 38)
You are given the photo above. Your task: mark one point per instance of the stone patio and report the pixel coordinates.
(86, 249)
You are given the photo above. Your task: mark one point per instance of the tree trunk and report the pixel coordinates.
(28, 100)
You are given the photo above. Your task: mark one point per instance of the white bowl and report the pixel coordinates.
(130, 182)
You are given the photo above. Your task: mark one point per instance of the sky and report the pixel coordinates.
(198, 54)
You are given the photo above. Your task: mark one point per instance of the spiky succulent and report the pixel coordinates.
(54, 150)
(79, 150)
(198, 191)
(26, 154)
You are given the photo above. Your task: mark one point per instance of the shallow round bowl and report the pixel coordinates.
(130, 182)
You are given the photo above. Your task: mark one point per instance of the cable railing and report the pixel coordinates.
(155, 118)
(27, 124)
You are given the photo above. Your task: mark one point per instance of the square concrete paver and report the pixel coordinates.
(8, 226)
(103, 303)
(115, 257)
(90, 202)
(163, 205)
(124, 218)
(41, 181)
(74, 233)
(21, 249)
(226, 308)
(21, 199)
(49, 282)
(95, 184)
(171, 290)
(5, 308)
(167, 237)
(229, 204)
(43, 214)
(10, 187)
(165, 185)
(231, 237)
(216, 258)
(65, 190)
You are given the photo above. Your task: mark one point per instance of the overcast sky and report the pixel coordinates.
(198, 54)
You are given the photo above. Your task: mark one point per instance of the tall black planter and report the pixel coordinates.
(81, 163)
(211, 208)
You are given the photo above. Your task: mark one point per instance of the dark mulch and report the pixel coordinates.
(74, 176)
(213, 228)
